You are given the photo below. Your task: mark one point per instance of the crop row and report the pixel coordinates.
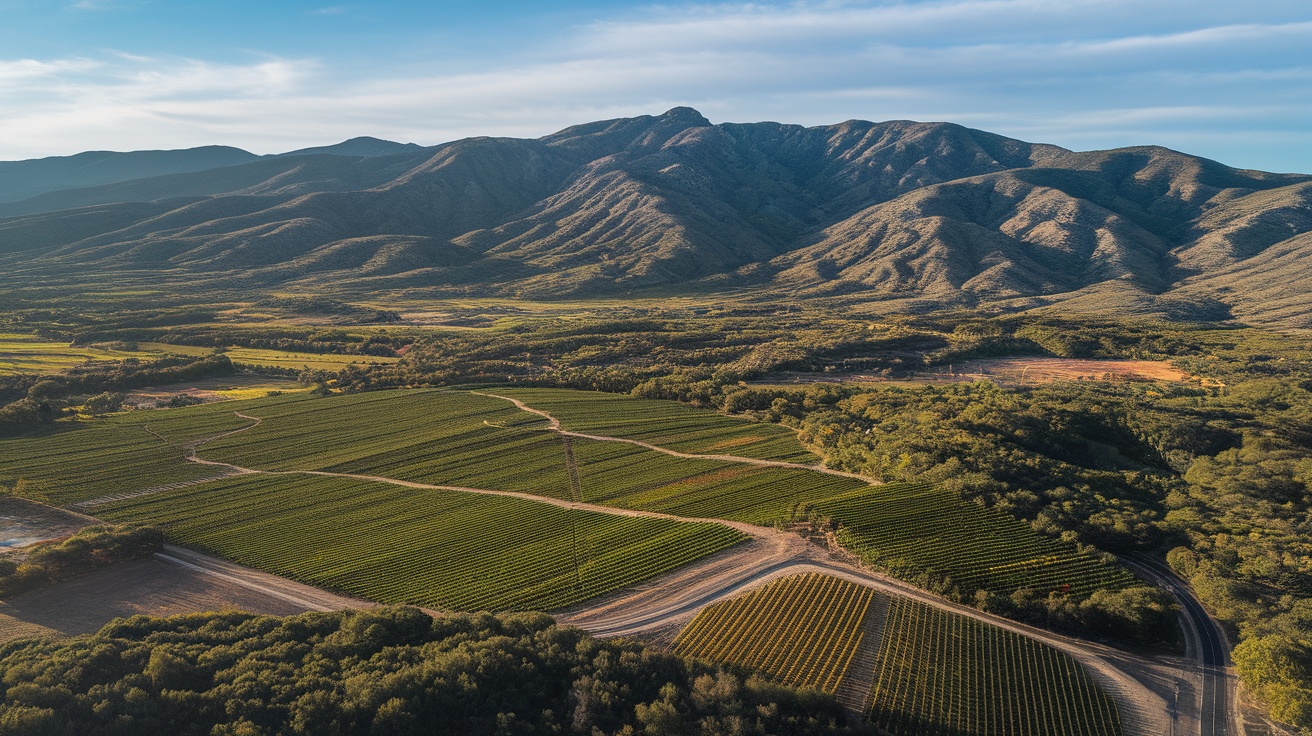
(76, 461)
(943, 674)
(801, 631)
(628, 476)
(910, 529)
(437, 437)
(665, 423)
(440, 549)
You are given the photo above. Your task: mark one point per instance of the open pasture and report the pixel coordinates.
(269, 358)
(666, 424)
(943, 674)
(801, 631)
(909, 529)
(32, 354)
(438, 549)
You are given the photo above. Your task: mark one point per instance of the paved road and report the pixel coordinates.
(1207, 645)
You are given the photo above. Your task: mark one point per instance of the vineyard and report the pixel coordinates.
(911, 529)
(801, 631)
(665, 424)
(627, 476)
(439, 549)
(72, 462)
(437, 437)
(943, 674)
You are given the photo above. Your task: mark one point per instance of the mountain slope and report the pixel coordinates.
(934, 213)
(23, 179)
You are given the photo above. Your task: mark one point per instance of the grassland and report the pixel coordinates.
(912, 529)
(942, 674)
(265, 358)
(801, 631)
(31, 354)
(439, 549)
(666, 423)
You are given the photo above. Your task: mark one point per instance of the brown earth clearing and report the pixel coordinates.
(172, 582)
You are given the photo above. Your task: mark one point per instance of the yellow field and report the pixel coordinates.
(31, 354)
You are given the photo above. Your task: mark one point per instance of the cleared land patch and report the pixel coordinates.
(439, 549)
(941, 673)
(149, 587)
(665, 423)
(910, 529)
(801, 631)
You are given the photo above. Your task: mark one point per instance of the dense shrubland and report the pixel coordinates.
(91, 548)
(386, 671)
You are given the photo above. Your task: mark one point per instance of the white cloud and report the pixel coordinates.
(1083, 73)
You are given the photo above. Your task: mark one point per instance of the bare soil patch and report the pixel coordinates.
(24, 523)
(211, 389)
(152, 586)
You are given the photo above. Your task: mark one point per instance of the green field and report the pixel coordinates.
(666, 424)
(627, 476)
(439, 549)
(31, 354)
(943, 674)
(460, 439)
(436, 437)
(268, 358)
(800, 631)
(911, 529)
(75, 461)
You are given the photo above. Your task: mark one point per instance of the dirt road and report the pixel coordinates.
(1141, 686)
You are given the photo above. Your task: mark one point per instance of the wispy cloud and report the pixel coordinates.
(1082, 73)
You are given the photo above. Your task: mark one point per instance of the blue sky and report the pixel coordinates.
(1232, 81)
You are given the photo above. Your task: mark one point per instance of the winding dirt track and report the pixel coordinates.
(1139, 685)
(554, 425)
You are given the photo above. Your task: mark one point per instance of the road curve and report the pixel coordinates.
(553, 424)
(1206, 643)
(770, 554)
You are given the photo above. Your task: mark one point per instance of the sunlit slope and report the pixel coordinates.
(801, 631)
(931, 671)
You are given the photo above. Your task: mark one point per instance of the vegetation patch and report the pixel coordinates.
(89, 549)
(801, 631)
(439, 549)
(921, 531)
(943, 673)
(387, 671)
(666, 424)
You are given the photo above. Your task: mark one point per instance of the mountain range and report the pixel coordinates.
(883, 215)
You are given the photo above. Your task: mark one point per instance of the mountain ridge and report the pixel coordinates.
(903, 212)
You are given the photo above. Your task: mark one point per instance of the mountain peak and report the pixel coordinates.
(685, 115)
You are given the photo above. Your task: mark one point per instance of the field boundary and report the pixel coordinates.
(1142, 710)
(553, 424)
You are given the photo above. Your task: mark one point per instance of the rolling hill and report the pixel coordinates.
(879, 215)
